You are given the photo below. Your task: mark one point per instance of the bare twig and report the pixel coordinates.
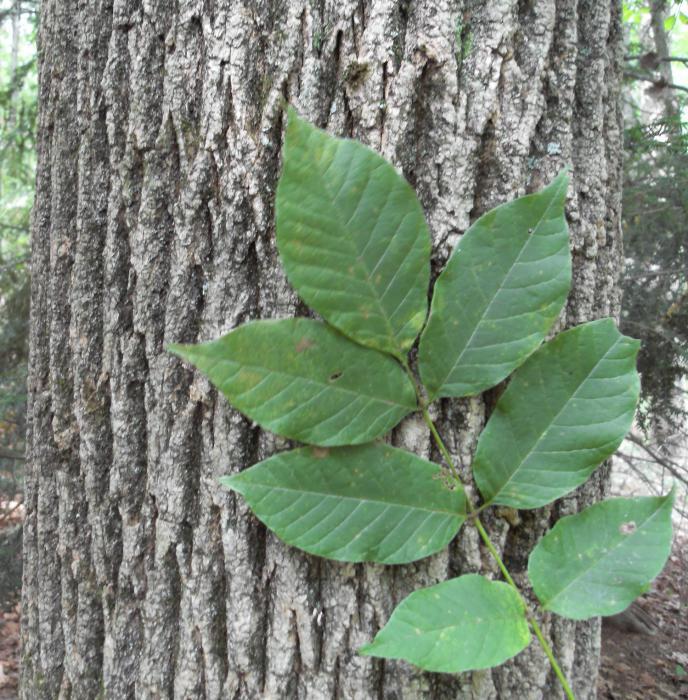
(6, 453)
(672, 467)
(7, 514)
(668, 59)
(659, 83)
(14, 263)
(24, 229)
(659, 273)
(631, 463)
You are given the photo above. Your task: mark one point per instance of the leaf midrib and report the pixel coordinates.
(309, 492)
(315, 382)
(472, 622)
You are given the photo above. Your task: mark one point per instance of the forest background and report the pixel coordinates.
(655, 285)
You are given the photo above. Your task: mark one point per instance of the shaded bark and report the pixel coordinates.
(160, 128)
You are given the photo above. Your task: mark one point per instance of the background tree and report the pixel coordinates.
(159, 132)
(17, 160)
(655, 207)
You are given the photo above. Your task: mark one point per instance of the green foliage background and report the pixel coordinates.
(655, 210)
(18, 93)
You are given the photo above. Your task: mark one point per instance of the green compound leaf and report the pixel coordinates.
(353, 239)
(597, 562)
(564, 412)
(499, 294)
(464, 624)
(368, 503)
(302, 379)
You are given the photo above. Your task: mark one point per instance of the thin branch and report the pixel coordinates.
(671, 466)
(6, 515)
(10, 454)
(640, 474)
(661, 83)
(14, 263)
(30, 9)
(24, 229)
(668, 59)
(660, 273)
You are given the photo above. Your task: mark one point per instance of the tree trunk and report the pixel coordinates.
(160, 130)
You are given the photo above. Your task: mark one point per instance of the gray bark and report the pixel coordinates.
(160, 130)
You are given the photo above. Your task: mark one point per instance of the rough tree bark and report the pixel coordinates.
(159, 137)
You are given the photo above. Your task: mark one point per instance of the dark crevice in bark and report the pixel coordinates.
(292, 684)
(192, 482)
(231, 121)
(173, 594)
(335, 675)
(362, 14)
(316, 573)
(462, 45)
(355, 38)
(521, 540)
(380, 666)
(383, 103)
(484, 170)
(348, 117)
(297, 67)
(330, 80)
(522, 40)
(399, 43)
(416, 153)
(259, 652)
(218, 632)
(319, 28)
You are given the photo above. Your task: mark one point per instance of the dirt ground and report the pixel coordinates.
(9, 653)
(635, 665)
(642, 666)
(11, 513)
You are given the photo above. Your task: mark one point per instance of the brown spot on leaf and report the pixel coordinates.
(627, 528)
(320, 452)
(304, 344)
(335, 375)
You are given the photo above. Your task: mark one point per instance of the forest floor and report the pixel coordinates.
(11, 514)
(639, 665)
(635, 666)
